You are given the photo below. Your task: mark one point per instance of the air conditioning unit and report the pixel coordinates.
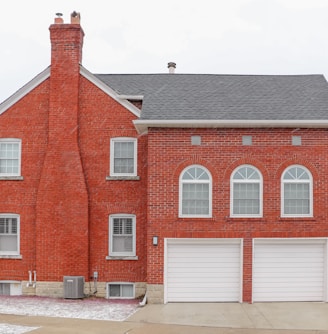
(73, 287)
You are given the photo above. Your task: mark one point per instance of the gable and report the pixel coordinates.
(36, 81)
(122, 99)
(41, 77)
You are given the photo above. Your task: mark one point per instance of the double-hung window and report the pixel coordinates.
(246, 192)
(123, 157)
(296, 192)
(9, 234)
(122, 235)
(195, 192)
(10, 157)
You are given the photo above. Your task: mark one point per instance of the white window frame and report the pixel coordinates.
(135, 155)
(209, 182)
(120, 284)
(111, 225)
(11, 215)
(13, 141)
(246, 181)
(309, 181)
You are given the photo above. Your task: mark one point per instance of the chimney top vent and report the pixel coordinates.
(59, 19)
(75, 18)
(171, 66)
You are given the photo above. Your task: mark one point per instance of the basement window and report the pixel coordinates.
(10, 288)
(119, 290)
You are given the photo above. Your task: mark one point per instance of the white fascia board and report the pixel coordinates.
(36, 81)
(143, 125)
(122, 99)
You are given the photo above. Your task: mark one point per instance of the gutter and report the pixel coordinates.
(142, 126)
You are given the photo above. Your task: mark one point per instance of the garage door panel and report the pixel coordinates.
(272, 267)
(203, 271)
(209, 285)
(289, 270)
(179, 272)
(276, 277)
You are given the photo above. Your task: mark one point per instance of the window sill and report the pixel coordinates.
(246, 217)
(122, 178)
(310, 218)
(17, 257)
(11, 178)
(195, 216)
(122, 258)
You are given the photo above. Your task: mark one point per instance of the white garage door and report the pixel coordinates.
(289, 270)
(203, 270)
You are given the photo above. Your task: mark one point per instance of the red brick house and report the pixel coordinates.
(186, 187)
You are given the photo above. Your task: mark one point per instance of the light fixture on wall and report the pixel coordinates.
(155, 240)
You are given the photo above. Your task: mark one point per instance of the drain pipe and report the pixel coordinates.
(29, 283)
(34, 283)
(144, 300)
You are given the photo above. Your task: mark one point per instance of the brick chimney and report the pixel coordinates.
(62, 199)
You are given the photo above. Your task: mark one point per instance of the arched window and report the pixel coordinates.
(246, 192)
(296, 192)
(195, 192)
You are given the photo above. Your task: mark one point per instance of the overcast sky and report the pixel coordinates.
(142, 36)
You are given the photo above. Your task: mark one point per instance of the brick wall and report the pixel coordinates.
(26, 120)
(221, 151)
(64, 200)
(101, 118)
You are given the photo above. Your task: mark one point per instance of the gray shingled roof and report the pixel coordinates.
(225, 97)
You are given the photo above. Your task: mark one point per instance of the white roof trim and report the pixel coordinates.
(131, 97)
(109, 91)
(36, 81)
(143, 125)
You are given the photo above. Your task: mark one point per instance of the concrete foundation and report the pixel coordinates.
(155, 293)
(56, 289)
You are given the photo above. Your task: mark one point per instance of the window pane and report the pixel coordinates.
(246, 173)
(195, 199)
(296, 198)
(9, 158)
(246, 198)
(296, 173)
(8, 243)
(195, 173)
(122, 235)
(127, 290)
(122, 244)
(114, 290)
(124, 157)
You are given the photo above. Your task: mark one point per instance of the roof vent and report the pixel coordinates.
(75, 18)
(59, 18)
(171, 66)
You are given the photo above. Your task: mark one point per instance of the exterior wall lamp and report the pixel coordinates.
(155, 240)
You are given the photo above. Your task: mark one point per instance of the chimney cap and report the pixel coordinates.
(59, 18)
(75, 17)
(171, 66)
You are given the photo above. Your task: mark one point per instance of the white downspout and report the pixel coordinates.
(144, 300)
(29, 283)
(34, 283)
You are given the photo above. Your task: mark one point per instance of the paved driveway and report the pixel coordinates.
(20, 315)
(296, 316)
